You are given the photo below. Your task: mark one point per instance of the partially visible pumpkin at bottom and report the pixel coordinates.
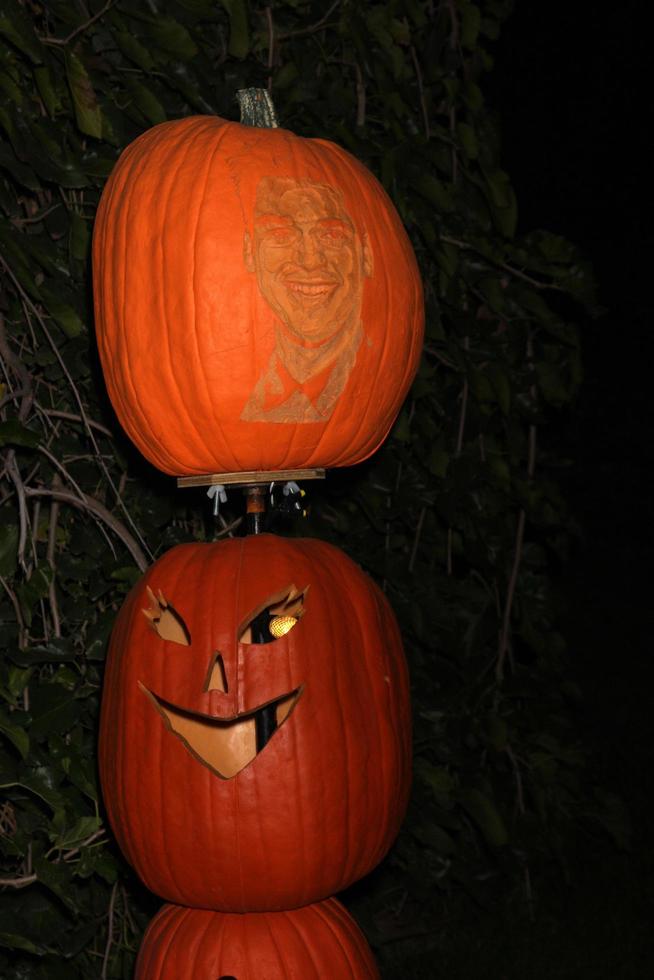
(242, 775)
(318, 942)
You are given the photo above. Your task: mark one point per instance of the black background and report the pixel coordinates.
(571, 85)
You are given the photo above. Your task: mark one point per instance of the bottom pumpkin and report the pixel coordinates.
(316, 942)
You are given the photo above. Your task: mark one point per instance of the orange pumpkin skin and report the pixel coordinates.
(192, 318)
(313, 943)
(320, 805)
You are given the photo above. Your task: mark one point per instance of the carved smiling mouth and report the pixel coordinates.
(225, 745)
(311, 287)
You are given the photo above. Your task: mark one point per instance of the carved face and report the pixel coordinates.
(254, 745)
(240, 322)
(309, 259)
(226, 745)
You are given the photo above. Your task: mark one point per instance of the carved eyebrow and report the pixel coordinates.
(287, 606)
(335, 223)
(273, 220)
(166, 621)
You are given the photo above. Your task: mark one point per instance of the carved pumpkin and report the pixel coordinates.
(313, 943)
(258, 304)
(243, 775)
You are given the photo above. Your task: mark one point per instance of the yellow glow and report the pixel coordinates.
(281, 625)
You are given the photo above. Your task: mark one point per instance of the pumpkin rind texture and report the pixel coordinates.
(258, 303)
(321, 803)
(314, 943)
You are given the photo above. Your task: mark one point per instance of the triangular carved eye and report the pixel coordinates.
(275, 617)
(166, 621)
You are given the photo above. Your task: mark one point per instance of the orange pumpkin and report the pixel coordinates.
(258, 303)
(319, 942)
(241, 775)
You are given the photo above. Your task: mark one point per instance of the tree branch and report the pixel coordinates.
(78, 30)
(93, 506)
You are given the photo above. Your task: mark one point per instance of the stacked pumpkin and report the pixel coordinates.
(258, 308)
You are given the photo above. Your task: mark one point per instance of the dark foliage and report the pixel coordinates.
(459, 515)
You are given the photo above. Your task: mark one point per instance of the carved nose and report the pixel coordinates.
(309, 252)
(216, 676)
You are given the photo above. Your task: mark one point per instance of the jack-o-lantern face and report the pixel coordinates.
(227, 745)
(255, 744)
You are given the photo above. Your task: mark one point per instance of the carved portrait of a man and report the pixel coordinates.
(310, 263)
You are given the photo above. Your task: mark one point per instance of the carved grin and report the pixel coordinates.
(225, 745)
(310, 288)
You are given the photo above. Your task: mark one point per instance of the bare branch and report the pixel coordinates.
(32, 306)
(72, 417)
(52, 542)
(94, 507)
(21, 882)
(421, 91)
(25, 391)
(312, 28)
(110, 932)
(78, 30)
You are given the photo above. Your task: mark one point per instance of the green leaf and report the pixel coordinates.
(468, 140)
(147, 102)
(286, 75)
(22, 173)
(67, 318)
(14, 941)
(85, 827)
(14, 433)
(434, 191)
(47, 90)
(54, 709)
(87, 111)
(57, 877)
(485, 814)
(18, 29)
(79, 236)
(470, 25)
(134, 50)
(439, 461)
(239, 40)
(171, 36)
(35, 784)
(17, 735)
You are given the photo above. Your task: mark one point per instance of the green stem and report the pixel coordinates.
(257, 108)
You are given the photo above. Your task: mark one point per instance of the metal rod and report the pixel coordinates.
(255, 512)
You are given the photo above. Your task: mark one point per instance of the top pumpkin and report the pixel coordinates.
(258, 303)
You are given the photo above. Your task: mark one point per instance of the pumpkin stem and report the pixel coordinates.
(257, 108)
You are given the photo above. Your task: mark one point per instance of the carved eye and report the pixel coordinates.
(280, 234)
(275, 618)
(166, 621)
(335, 233)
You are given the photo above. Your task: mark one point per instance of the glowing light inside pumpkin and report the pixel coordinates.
(281, 625)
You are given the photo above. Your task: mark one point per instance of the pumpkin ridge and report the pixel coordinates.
(216, 427)
(181, 403)
(124, 387)
(321, 914)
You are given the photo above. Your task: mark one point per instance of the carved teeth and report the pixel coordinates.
(311, 289)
